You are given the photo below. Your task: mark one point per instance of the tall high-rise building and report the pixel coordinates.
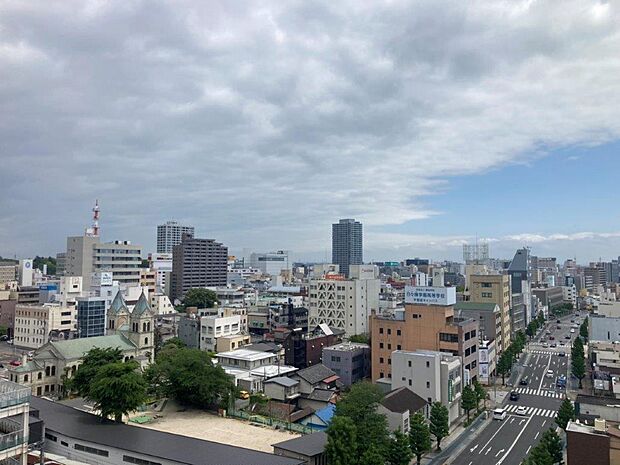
(197, 263)
(170, 234)
(347, 244)
(91, 316)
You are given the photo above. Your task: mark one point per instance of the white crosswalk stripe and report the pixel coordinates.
(540, 392)
(534, 411)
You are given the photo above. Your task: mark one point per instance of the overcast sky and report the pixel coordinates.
(261, 123)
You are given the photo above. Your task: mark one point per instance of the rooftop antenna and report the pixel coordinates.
(93, 231)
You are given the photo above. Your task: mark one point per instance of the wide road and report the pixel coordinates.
(509, 441)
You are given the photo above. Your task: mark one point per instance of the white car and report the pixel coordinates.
(521, 410)
(549, 373)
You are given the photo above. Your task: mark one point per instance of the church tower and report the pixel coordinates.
(118, 314)
(142, 327)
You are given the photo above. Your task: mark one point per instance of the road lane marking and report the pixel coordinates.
(515, 441)
(473, 448)
(526, 452)
(498, 430)
(499, 452)
(490, 447)
(536, 437)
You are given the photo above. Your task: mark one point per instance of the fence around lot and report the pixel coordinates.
(271, 422)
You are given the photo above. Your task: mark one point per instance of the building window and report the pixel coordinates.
(428, 364)
(447, 337)
(409, 363)
(389, 331)
(389, 346)
(138, 461)
(380, 330)
(487, 295)
(389, 361)
(398, 347)
(381, 345)
(398, 332)
(51, 437)
(410, 383)
(380, 359)
(486, 284)
(66, 444)
(91, 450)
(428, 385)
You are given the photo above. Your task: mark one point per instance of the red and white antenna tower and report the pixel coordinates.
(94, 230)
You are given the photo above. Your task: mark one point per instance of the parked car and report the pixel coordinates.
(553, 344)
(4, 338)
(514, 395)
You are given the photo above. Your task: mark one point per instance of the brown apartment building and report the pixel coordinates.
(494, 289)
(420, 326)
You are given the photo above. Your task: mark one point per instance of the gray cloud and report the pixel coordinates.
(261, 123)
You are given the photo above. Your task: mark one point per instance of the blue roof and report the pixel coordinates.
(326, 414)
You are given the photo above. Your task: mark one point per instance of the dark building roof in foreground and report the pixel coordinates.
(403, 399)
(308, 445)
(87, 427)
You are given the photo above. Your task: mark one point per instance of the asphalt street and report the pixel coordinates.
(508, 441)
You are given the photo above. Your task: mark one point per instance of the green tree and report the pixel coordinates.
(566, 413)
(539, 455)
(360, 405)
(341, 447)
(439, 424)
(419, 436)
(578, 368)
(577, 350)
(200, 297)
(117, 389)
(190, 377)
(583, 329)
(504, 365)
(372, 456)
(39, 262)
(92, 362)
(360, 338)
(531, 329)
(399, 450)
(481, 393)
(468, 400)
(3, 330)
(553, 443)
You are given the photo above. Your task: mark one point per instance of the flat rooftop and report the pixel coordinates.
(246, 354)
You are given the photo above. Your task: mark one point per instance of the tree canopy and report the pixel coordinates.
(469, 401)
(439, 422)
(200, 297)
(92, 362)
(566, 413)
(190, 377)
(117, 389)
(419, 436)
(341, 448)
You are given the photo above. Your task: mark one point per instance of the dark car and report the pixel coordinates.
(562, 354)
(514, 395)
(523, 382)
(567, 336)
(558, 321)
(551, 338)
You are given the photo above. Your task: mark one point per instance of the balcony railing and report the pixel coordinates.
(11, 434)
(13, 394)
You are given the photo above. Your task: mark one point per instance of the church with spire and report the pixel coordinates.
(131, 331)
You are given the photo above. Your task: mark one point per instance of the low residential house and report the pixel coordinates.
(309, 448)
(318, 386)
(251, 368)
(320, 419)
(589, 408)
(305, 349)
(282, 389)
(399, 405)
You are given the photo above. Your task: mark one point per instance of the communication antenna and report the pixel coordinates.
(94, 229)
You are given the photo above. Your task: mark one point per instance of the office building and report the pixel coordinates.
(349, 360)
(517, 313)
(35, 325)
(170, 234)
(432, 375)
(551, 297)
(197, 263)
(595, 275)
(61, 263)
(8, 273)
(427, 322)
(569, 295)
(87, 255)
(91, 316)
(488, 316)
(271, 263)
(520, 272)
(161, 264)
(347, 244)
(344, 303)
(494, 289)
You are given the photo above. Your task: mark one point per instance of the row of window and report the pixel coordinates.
(389, 346)
(389, 331)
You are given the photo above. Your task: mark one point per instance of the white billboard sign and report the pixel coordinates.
(430, 295)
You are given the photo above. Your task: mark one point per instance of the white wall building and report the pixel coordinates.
(434, 376)
(212, 327)
(161, 263)
(345, 303)
(271, 263)
(569, 295)
(36, 324)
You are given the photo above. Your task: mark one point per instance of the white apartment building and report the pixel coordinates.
(14, 414)
(35, 325)
(434, 376)
(569, 295)
(161, 264)
(161, 304)
(213, 327)
(345, 303)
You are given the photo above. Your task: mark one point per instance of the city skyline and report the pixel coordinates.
(432, 124)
